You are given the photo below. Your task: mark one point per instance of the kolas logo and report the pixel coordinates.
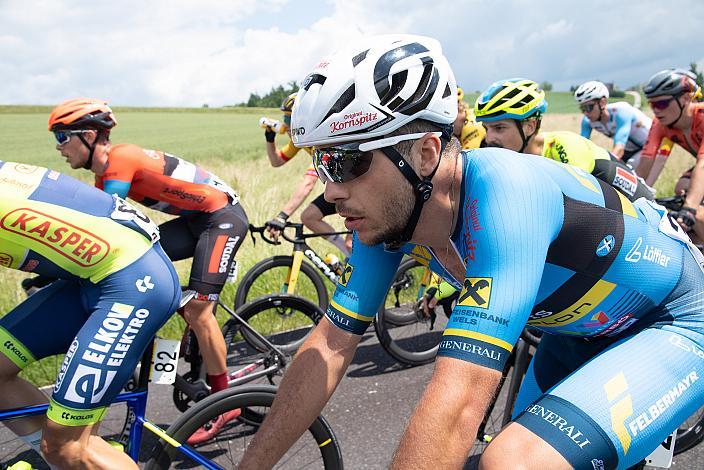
(76, 244)
(476, 292)
(605, 246)
(346, 275)
(5, 260)
(145, 284)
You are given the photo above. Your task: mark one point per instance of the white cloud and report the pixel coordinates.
(189, 53)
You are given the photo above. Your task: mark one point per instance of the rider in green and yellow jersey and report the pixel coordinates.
(512, 110)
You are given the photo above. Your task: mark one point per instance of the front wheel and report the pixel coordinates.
(318, 448)
(285, 320)
(271, 276)
(691, 432)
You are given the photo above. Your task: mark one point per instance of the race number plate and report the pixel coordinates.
(164, 361)
(662, 456)
(126, 211)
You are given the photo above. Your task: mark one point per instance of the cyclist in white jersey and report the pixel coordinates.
(627, 125)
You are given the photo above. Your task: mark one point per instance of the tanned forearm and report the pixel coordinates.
(300, 194)
(273, 155)
(305, 389)
(643, 170)
(618, 150)
(444, 424)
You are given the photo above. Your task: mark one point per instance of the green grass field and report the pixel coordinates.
(230, 143)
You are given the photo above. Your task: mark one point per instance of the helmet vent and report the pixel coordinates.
(359, 58)
(311, 80)
(342, 102)
(397, 82)
(447, 91)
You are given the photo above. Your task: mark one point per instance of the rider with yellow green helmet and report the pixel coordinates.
(511, 111)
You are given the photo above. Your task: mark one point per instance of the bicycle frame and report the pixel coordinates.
(301, 249)
(244, 375)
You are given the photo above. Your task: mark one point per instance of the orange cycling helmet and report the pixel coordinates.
(82, 113)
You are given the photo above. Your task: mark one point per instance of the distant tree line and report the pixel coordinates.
(273, 99)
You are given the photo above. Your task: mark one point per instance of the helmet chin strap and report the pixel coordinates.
(422, 188)
(679, 116)
(91, 149)
(525, 139)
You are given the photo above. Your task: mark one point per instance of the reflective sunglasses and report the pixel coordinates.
(287, 119)
(661, 104)
(62, 137)
(343, 163)
(587, 107)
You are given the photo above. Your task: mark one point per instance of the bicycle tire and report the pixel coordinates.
(690, 433)
(412, 343)
(285, 320)
(405, 286)
(252, 400)
(256, 282)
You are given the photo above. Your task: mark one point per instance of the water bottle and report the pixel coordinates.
(276, 126)
(334, 262)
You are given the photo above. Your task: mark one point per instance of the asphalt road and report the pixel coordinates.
(368, 411)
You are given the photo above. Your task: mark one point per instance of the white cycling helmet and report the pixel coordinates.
(589, 91)
(373, 89)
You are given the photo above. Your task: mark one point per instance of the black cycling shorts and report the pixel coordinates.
(622, 178)
(326, 208)
(212, 239)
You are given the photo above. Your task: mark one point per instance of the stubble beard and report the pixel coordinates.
(395, 214)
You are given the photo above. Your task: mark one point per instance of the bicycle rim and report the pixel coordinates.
(269, 277)
(316, 449)
(285, 320)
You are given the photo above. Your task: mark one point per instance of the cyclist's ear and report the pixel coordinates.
(429, 147)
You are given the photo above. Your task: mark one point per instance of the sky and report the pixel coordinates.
(190, 53)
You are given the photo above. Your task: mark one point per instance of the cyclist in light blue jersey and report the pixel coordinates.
(627, 125)
(617, 285)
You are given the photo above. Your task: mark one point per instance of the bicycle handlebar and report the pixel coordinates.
(299, 236)
(260, 231)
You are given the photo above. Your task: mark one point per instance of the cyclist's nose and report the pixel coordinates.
(335, 192)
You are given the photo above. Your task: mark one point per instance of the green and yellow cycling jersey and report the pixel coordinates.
(472, 133)
(55, 225)
(571, 148)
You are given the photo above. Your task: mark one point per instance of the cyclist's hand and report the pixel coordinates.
(430, 301)
(275, 226)
(686, 217)
(269, 134)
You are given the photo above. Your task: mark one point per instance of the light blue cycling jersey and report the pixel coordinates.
(547, 245)
(627, 125)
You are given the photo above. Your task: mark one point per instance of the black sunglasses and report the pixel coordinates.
(661, 104)
(345, 162)
(587, 107)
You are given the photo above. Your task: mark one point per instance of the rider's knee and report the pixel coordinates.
(62, 453)
(500, 454)
(8, 369)
(311, 215)
(198, 312)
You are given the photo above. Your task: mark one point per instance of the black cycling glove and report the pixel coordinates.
(269, 135)
(688, 216)
(278, 222)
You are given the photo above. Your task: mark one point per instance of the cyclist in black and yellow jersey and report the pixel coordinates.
(313, 215)
(511, 111)
(466, 128)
